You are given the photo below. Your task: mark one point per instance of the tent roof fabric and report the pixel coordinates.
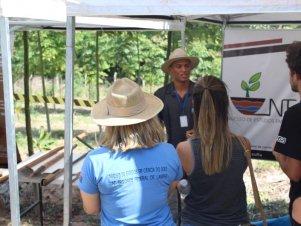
(100, 23)
(38, 13)
(234, 11)
(53, 13)
(178, 7)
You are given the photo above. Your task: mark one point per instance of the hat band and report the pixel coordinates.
(126, 111)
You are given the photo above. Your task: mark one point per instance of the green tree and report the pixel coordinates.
(205, 41)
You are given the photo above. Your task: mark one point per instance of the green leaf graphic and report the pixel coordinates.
(244, 85)
(255, 77)
(255, 86)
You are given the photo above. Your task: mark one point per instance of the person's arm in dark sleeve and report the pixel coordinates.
(287, 148)
(158, 94)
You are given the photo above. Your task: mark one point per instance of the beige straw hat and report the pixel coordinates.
(125, 104)
(179, 54)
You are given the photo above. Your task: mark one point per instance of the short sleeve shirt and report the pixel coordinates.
(133, 185)
(289, 137)
(289, 144)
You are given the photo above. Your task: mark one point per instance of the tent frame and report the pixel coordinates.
(234, 12)
(9, 121)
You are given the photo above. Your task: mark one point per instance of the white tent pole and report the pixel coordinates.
(183, 20)
(69, 120)
(9, 122)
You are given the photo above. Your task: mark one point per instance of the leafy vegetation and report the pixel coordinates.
(44, 140)
(134, 54)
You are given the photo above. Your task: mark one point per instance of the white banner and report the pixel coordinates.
(257, 77)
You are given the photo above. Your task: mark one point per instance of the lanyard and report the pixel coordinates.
(182, 104)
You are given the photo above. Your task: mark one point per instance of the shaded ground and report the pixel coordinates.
(53, 207)
(273, 186)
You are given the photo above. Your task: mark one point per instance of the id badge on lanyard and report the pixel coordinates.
(183, 121)
(183, 118)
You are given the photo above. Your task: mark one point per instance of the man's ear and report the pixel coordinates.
(168, 70)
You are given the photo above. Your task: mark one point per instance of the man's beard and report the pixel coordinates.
(295, 89)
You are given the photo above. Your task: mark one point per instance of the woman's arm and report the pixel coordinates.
(172, 188)
(91, 203)
(297, 210)
(185, 154)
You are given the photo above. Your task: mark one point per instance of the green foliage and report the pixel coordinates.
(44, 141)
(205, 42)
(54, 51)
(265, 164)
(253, 84)
(134, 54)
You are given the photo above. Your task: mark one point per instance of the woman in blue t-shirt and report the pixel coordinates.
(129, 177)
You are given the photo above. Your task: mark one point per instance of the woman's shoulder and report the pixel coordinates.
(165, 145)
(242, 141)
(182, 146)
(165, 149)
(97, 151)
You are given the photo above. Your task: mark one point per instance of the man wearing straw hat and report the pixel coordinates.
(133, 171)
(176, 96)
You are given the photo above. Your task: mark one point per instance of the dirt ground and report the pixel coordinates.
(52, 204)
(273, 187)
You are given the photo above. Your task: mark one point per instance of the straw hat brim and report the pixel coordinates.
(100, 114)
(194, 62)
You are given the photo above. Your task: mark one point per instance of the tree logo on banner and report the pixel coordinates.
(247, 105)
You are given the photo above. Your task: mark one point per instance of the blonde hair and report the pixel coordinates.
(142, 135)
(211, 104)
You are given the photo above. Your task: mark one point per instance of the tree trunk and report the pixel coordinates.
(43, 80)
(97, 67)
(26, 94)
(139, 78)
(52, 86)
(169, 39)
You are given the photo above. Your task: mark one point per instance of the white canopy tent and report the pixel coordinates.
(173, 13)
(234, 11)
(52, 14)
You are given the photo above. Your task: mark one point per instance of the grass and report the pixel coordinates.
(81, 122)
(265, 164)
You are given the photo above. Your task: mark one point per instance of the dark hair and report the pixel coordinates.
(211, 102)
(293, 57)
